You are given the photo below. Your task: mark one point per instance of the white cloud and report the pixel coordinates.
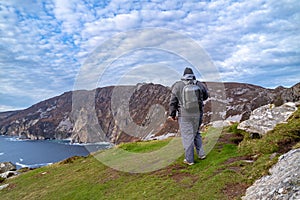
(44, 43)
(4, 108)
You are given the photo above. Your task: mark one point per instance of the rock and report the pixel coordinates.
(283, 183)
(220, 123)
(8, 174)
(265, 118)
(7, 166)
(3, 186)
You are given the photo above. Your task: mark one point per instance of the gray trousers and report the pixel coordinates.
(191, 137)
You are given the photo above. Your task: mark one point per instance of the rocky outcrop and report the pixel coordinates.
(7, 166)
(283, 182)
(135, 113)
(242, 99)
(265, 118)
(7, 169)
(8, 174)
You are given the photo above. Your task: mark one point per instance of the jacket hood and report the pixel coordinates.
(188, 77)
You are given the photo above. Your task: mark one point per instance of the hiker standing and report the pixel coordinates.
(187, 99)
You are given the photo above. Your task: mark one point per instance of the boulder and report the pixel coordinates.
(7, 166)
(282, 183)
(220, 123)
(265, 118)
(8, 174)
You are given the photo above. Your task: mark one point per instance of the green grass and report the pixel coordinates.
(142, 147)
(87, 178)
(228, 170)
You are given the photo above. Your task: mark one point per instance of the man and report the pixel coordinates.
(189, 119)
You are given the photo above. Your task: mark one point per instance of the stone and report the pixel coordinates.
(7, 166)
(220, 123)
(265, 118)
(8, 174)
(3, 186)
(283, 181)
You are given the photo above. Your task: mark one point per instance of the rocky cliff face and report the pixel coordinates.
(129, 113)
(4, 115)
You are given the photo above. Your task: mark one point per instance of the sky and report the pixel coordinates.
(45, 46)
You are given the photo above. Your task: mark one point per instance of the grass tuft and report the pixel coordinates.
(2, 179)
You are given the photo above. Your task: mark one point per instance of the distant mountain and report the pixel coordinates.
(94, 116)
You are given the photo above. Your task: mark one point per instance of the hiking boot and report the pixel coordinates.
(188, 163)
(202, 157)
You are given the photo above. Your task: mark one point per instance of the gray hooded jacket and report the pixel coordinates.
(176, 98)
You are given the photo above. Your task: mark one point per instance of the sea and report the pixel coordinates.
(37, 153)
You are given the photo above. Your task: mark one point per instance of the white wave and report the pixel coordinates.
(68, 141)
(12, 139)
(89, 144)
(32, 165)
(15, 139)
(21, 159)
(1, 153)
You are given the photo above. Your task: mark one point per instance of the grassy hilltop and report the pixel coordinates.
(235, 162)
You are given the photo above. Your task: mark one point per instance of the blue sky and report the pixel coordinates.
(44, 44)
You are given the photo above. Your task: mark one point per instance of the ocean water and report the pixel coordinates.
(37, 153)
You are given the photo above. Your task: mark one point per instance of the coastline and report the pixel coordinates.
(38, 153)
